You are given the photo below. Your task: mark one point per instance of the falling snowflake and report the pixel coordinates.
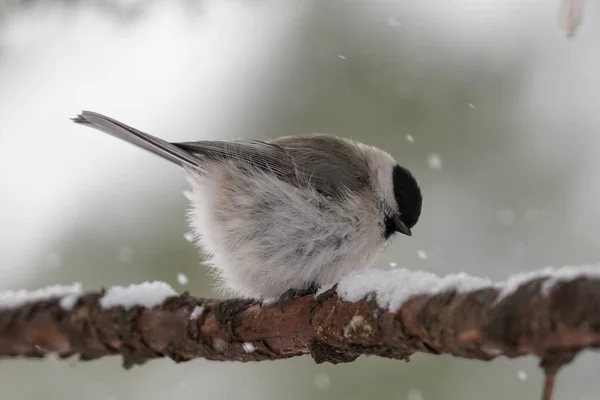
(126, 254)
(182, 279)
(434, 161)
(322, 381)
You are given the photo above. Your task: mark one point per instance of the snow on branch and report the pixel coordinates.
(551, 314)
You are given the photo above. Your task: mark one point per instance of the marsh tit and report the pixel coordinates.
(281, 218)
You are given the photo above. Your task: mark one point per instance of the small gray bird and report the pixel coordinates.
(281, 218)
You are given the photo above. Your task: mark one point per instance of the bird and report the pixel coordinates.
(278, 219)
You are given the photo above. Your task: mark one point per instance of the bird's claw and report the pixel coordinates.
(291, 294)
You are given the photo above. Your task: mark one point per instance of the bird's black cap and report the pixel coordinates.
(409, 199)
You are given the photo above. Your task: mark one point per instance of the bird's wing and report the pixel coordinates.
(258, 154)
(329, 164)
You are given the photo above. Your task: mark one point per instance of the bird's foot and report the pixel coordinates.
(291, 294)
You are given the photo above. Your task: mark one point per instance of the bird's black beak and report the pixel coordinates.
(402, 228)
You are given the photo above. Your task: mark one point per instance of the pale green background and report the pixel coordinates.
(494, 87)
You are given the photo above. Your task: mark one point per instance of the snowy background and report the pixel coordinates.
(488, 102)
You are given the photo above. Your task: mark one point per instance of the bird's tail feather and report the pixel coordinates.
(157, 146)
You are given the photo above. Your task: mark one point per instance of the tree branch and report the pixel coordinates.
(551, 321)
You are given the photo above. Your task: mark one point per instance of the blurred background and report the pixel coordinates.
(489, 103)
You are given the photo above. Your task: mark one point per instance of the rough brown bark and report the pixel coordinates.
(553, 327)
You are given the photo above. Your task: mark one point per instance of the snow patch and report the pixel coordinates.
(248, 347)
(68, 301)
(323, 289)
(391, 288)
(196, 312)
(12, 299)
(147, 294)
